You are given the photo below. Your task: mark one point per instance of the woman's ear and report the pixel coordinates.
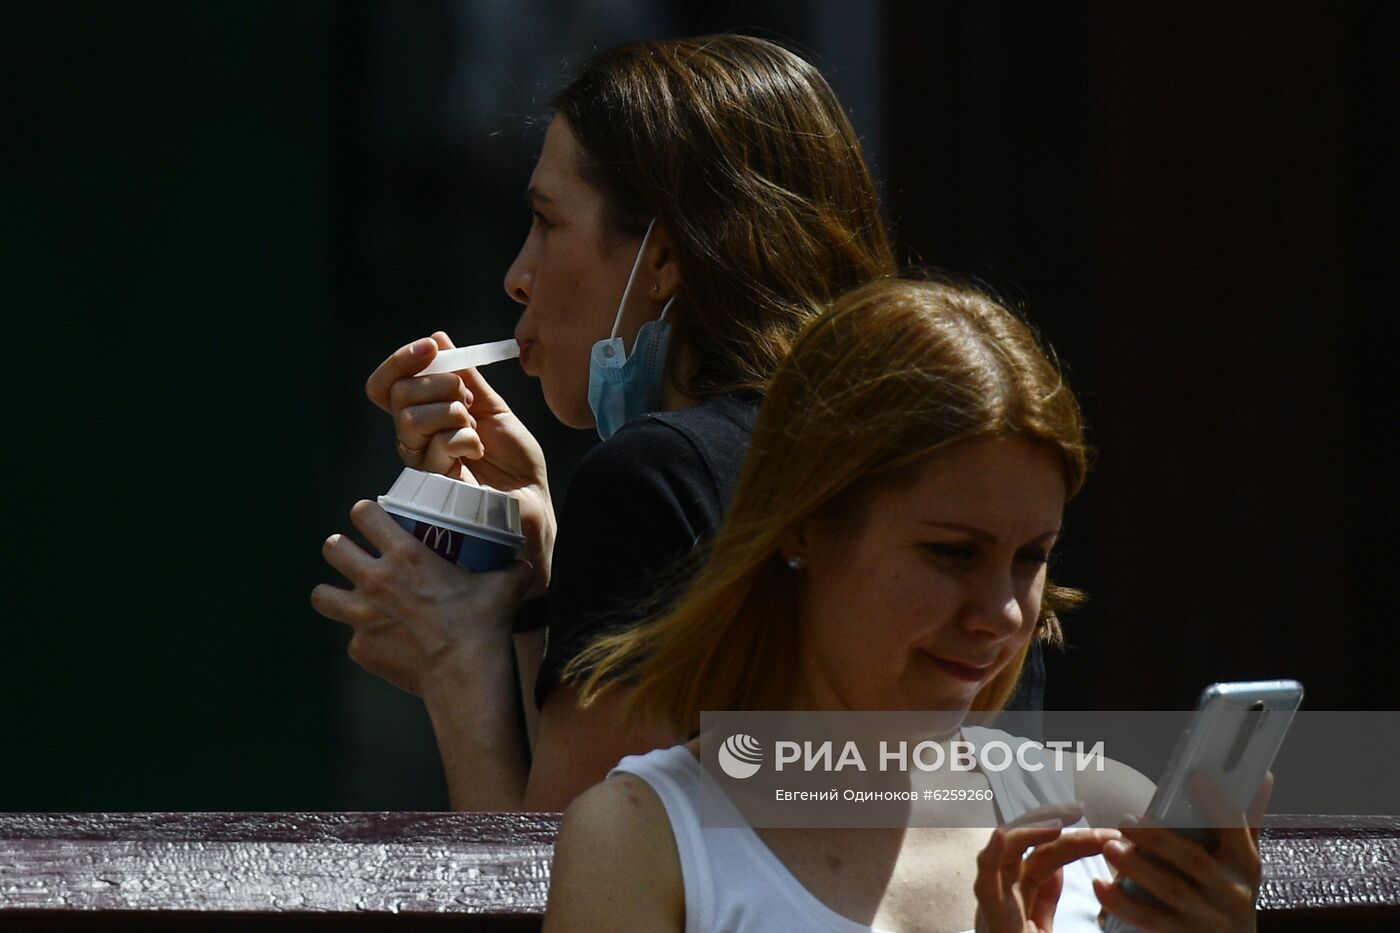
(662, 265)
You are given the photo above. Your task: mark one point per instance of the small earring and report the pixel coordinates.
(795, 562)
(655, 288)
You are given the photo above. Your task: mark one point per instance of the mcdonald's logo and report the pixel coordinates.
(443, 541)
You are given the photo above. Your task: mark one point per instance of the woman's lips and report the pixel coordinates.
(525, 347)
(966, 672)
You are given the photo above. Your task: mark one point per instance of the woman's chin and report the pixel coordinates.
(568, 409)
(952, 698)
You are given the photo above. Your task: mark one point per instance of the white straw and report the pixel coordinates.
(449, 361)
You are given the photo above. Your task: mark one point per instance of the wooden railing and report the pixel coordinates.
(490, 871)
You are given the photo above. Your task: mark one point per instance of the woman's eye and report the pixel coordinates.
(539, 220)
(950, 552)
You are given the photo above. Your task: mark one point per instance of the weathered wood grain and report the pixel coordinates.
(305, 863)
(480, 871)
(1343, 864)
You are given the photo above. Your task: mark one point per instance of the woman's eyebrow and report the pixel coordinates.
(977, 533)
(534, 196)
(982, 535)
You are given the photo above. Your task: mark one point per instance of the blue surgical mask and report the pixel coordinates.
(621, 387)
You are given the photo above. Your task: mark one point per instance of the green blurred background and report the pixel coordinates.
(166, 254)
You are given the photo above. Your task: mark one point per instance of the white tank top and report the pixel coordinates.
(735, 884)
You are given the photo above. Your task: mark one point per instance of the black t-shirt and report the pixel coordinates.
(640, 505)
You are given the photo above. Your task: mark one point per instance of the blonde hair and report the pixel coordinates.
(896, 370)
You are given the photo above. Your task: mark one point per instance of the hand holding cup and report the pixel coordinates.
(418, 620)
(457, 425)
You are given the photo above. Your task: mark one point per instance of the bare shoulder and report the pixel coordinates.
(615, 864)
(625, 807)
(1117, 791)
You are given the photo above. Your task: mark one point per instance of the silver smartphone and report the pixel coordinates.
(1232, 738)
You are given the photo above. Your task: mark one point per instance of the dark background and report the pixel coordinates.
(216, 219)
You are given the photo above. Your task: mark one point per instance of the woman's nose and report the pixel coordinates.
(520, 277)
(993, 606)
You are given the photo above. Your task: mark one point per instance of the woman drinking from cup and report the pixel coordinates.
(695, 203)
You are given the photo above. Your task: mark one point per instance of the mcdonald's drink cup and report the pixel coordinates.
(475, 527)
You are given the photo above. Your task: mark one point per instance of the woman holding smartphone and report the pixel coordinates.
(694, 203)
(887, 550)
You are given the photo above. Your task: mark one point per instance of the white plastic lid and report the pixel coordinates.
(440, 499)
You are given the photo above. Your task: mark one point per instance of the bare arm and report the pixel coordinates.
(529, 651)
(577, 747)
(615, 865)
(474, 708)
(474, 717)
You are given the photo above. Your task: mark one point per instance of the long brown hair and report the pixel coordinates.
(741, 149)
(896, 370)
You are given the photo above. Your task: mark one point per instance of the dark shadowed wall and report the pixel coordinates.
(1195, 203)
(166, 289)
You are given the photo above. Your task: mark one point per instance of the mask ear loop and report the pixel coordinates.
(627, 290)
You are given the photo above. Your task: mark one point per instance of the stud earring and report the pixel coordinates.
(795, 562)
(655, 288)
